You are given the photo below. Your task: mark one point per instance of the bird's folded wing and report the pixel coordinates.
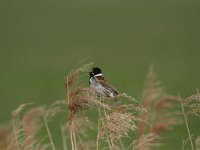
(106, 84)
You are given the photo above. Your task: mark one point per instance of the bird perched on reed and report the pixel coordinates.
(101, 86)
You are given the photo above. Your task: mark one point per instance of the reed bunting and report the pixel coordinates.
(101, 86)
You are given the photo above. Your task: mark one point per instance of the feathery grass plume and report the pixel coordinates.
(160, 107)
(117, 123)
(16, 138)
(25, 128)
(186, 122)
(147, 141)
(75, 75)
(31, 123)
(192, 105)
(78, 98)
(53, 109)
(82, 125)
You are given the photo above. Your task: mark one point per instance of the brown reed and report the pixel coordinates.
(161, 112)
(156, 113)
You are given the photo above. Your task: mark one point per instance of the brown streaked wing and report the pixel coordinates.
(106, 84)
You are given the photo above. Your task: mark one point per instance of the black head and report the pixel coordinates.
(95, 71)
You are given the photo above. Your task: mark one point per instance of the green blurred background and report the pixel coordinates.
(42, 40)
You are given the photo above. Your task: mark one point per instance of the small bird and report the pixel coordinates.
(101, 86)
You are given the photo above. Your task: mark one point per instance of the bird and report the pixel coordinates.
(101, 86)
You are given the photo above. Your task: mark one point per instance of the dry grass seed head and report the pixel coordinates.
(55, 108)
(31, 123)
(147, 142)
(80, 125)
(130, 98)
(79, 99)
(74, 76)
(192, 105)
(152, 89)
(162, 107)
(165, 114)
(15, 139)
(17, 111)
(118, 124)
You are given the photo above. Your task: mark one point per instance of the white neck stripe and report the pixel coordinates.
(97, 75)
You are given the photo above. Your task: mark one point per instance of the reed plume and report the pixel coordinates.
(139, 122)
(161, 112)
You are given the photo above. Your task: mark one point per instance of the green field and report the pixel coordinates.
(41, 41)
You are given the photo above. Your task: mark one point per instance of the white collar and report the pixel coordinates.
(97, 75)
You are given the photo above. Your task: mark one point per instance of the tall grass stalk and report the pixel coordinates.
(49, 134)
(186, 122)
(64, 140)
(72, 141)
(15, 134)
(74, 137)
